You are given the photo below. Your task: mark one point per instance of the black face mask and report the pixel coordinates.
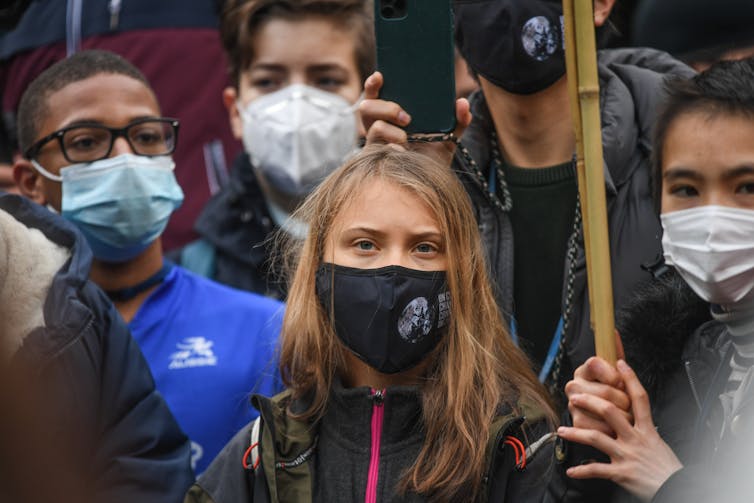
(391, 317)
(517, 45)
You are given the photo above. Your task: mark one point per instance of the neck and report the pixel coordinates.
(358, 374)
(534, 130)
(117, 276)
(738, 317)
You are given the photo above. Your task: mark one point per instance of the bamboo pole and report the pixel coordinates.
(583, 85)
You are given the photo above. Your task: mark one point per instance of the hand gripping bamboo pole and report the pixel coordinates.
(584, 91)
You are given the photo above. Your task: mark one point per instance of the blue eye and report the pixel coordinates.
(365, 245)
(425, 248)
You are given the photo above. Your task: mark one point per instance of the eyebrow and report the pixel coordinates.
(746, 169)
(676, 173)
(326, 67)
(322, 67)
(98, 122)
(267, 66)
(378, 233)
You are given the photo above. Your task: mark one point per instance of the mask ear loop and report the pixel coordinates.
(45, 173)
(353, 108)
(245, 116)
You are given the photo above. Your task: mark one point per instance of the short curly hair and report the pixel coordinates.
(85, 64)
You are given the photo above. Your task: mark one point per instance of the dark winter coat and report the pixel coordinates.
(716, 458)
(98, 390)
(630, 92)
(335, 454)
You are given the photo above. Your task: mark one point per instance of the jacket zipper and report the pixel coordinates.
(378, 414)
(692, 383)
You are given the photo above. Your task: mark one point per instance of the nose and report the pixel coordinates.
(719, 198)
(397, 256)
(120, 146)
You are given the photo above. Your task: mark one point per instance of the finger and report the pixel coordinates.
(619, 346)
(585, 420)
(609, 393)
(618, 420)
(372, 111)
(639, 399)
(383, 132)
(372, 86)
(592, 438)
(463, 116)
(598, 369)
(592, 471)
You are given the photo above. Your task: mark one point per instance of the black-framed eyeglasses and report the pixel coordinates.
(89, 142)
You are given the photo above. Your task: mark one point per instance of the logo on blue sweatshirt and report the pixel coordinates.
(193, 352)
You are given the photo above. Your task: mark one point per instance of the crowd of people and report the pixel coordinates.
(351, 312)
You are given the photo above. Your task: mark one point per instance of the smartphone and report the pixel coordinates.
(415, 56)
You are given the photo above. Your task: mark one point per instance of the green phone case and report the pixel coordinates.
(415, 56)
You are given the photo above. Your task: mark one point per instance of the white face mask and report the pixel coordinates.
(297, 136)
(712, 248)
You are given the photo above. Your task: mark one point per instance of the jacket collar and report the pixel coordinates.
(236, 220)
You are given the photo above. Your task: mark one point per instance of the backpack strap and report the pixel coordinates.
(509, 444)
(255, 476)
(251, 456)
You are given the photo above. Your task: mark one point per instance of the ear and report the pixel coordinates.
(602, 9)
(230, 97)
(29, 181)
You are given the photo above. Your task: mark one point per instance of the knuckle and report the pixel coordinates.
(571, 387)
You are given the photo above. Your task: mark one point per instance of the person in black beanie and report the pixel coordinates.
(698, 32)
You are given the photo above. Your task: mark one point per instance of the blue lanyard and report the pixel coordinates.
(551, 353)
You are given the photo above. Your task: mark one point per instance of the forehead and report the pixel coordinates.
(382, 203)
(110, 99)
(302, 42)
(709, 142)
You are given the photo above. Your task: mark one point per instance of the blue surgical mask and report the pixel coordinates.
(121, 204)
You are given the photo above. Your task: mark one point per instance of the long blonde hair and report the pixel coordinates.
(477, 369)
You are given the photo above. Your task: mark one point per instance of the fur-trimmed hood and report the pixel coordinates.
(43, 262)
(655, 324)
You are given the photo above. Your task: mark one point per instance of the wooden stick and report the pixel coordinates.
(583, 85)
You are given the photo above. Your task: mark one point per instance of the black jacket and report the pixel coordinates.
(97, 387)
(716, 457)
(335, 455)
(630, 91)
(235, 227)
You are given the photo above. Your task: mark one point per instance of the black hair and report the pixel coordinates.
(81, 66)
(726, 88)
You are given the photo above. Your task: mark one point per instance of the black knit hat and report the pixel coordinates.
(686, 27)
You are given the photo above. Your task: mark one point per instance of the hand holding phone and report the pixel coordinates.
(384, 122)
(416, 57)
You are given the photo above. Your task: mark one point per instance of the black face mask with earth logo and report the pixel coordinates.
(517, 45)
(391, 317)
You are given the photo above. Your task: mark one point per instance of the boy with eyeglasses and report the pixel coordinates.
(98, 151)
